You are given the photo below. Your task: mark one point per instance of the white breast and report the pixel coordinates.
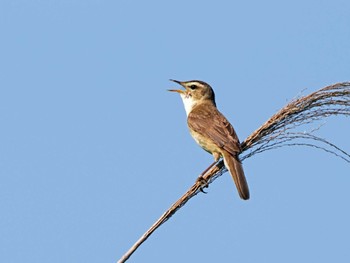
(188, 103)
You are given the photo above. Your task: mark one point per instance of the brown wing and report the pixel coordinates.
(209, 122)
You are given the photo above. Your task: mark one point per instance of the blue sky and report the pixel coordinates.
(94, 150)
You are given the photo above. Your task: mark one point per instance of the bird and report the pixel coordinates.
(211, 130)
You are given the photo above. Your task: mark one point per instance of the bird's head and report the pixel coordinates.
(195, 91)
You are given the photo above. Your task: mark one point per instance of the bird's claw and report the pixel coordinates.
(203, 184)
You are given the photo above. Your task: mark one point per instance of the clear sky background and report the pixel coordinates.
(93, 149)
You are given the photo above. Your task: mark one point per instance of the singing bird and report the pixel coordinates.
(211, 130)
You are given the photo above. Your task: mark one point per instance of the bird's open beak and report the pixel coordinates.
(177, 90)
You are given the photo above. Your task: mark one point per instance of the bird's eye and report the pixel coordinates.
(193, 87)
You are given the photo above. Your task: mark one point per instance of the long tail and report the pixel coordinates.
(236, 170)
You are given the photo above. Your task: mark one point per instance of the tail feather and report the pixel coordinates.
(236, 170)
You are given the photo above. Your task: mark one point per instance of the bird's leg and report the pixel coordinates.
(203, 182)
(206, 170)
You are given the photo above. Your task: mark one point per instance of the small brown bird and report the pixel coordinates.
(211, 130)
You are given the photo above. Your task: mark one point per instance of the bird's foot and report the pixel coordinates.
(203, 184)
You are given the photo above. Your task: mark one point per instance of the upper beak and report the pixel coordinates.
(176, 90)
(176, 81)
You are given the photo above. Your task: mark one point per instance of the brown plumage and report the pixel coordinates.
(212, 131)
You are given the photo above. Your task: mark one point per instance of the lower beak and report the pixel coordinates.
(176, 90)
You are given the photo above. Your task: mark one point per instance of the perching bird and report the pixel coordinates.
(211, 130)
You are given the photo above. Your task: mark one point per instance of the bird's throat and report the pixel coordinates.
(188, 102)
